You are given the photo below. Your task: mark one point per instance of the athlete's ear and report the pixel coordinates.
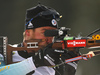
(27, 32)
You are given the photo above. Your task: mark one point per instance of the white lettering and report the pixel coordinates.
(74, 43)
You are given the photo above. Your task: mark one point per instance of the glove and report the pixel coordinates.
(70, 54)
(52, 56)
(69, 68)
(47, 57)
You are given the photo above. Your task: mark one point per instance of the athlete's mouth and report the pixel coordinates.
(48, 40)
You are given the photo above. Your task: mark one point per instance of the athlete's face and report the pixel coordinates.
(38, 33)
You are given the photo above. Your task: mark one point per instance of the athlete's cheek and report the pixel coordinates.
(40, 36)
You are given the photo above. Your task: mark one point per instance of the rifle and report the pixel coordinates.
(65, 42)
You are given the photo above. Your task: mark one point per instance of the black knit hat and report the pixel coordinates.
(40, 16)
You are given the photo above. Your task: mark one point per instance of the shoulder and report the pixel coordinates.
(16, 45)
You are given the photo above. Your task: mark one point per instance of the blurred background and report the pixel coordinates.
(82, 16)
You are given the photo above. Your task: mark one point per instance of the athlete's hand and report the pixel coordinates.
(51, 56)
(47, 57)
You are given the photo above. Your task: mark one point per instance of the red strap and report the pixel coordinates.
(84, 57)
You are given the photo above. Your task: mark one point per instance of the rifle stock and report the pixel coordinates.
(92, 43)
(61, 44)
(10, 49)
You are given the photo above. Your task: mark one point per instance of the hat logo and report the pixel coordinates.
(30, 25)
(54, 22)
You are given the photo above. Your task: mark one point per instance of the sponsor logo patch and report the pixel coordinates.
(54, 22)
(76, 43)
(96, 37)
(30, 25)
